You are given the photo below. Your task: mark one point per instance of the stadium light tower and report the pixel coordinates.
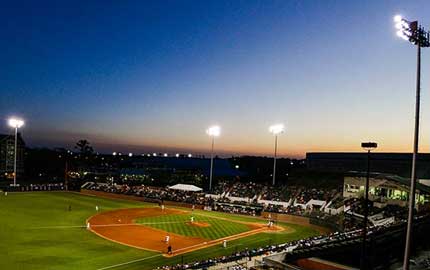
(276, 130)
(15, 123)
(415, 34)
(368, 146)
(213, 131)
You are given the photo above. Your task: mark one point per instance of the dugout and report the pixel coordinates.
(239, 208)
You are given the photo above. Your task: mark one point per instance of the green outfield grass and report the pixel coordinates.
(37, 231)
(179, 224)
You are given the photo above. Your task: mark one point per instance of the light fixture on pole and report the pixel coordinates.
(15, 123)
(213, 131)
(275, 130)
(414, 33)
(368, 146)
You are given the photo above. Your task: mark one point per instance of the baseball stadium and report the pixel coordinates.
(214, 135)
(72, 230)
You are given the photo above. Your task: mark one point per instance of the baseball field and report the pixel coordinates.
(48, 230)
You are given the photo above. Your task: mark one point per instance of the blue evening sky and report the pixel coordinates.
(153, 75)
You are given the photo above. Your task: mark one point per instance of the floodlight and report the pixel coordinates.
(402, 35)
(276, 129)
(398, 18)
(410, 31)
(214, 131)
(16, 122)
(369, 145)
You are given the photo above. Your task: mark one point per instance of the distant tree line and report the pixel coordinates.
(51, 165)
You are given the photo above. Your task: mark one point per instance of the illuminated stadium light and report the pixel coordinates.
(165, 155)
(130, 154)
(417, 35)
(214, 131)
(154, 154)
(114, 154)
(15, 123)
(401, 35)
(177, 155)
(411, 31)
(276, 129)
(398, 18)
(189, 155)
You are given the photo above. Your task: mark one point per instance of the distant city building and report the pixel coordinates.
(7, 155)
(391, 163)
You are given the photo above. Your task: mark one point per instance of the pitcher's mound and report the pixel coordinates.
(198, 224)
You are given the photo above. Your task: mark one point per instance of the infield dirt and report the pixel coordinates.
(119, 226)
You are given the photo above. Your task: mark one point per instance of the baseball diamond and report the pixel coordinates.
(48, 230)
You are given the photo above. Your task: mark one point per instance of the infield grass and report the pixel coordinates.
(180, 224)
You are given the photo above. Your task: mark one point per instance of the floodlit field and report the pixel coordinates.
(38, 231)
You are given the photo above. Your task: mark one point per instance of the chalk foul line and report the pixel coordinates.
(130, 262)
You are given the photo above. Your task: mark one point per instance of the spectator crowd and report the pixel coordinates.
(240, 198)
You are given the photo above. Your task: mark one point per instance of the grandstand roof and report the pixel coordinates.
(186, 187)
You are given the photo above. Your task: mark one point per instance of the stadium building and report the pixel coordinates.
(386, 189)
(390, 163)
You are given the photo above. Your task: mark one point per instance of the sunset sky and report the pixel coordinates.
(153, 75)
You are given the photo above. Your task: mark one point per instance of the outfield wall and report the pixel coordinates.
(136, 198)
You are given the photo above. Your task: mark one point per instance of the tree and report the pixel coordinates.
(84, 147)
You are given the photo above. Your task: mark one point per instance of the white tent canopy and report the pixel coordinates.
(185, 187)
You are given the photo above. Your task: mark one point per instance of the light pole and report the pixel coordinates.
(213, 131)
(275, 130)
(368, 146)
(15, 123)
(414, 33)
